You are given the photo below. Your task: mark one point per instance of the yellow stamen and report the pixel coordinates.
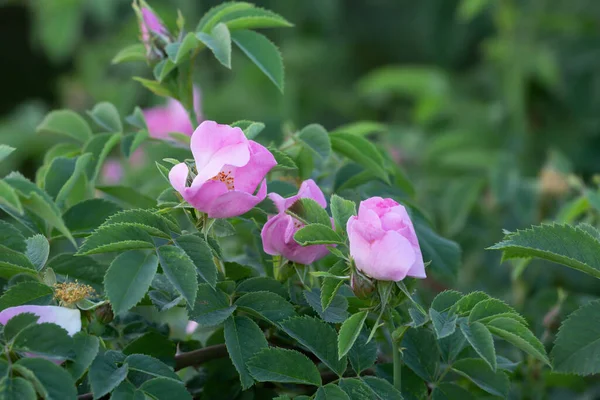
(72, 292)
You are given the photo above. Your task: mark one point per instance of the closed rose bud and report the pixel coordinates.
(361, 286)
(231, 171)
(104, 313)
(383, 241)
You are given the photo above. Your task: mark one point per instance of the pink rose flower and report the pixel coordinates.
(171, 117)
(383, 241)
(278, 233)
(229, 168)
(150, 24)
(67, 318)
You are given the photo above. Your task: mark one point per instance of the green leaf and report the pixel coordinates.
(285, 366)
(116, 237)
(444, 324)
(315, 138)
(104, 375)
(330, 286)
(9, 198)
(267, 305)
(26, 293)
(5, 151)
(152, 223)
(180, 270)
(55, 381)
(62, 176)
(12, 238)
(128, 279)
(349, 332)
(16, 389)
(154, 86)
(283, 160)
(127, 391)
(476, 370)
(100, 145)
(17, 323)
(215, 14)
(450, 391)
(46, 339)
(362, 128)
(201, 255)
(86, 348)
(561, 243)
(132, 141)
(244, 339)
(251, 128)
(464, 306)
(89, 214)
(363, 354)
(83, 268)
(165, 389)
(335, 313)
(445, 300)
(212, 306)
(262, 284)
(151, 366)
(309, 212)
(262, 52)
(421, 353)
(578, 342)
(444, 254)
(67, 123)
(179, 51)
(107, 117)
(164, 67)
(480, 338)
(381, 388)
(128, 196)
(155, 345)
(518, 334)
(451, 346)
(488, 310)
(13, 263)
(219, 42)
(319, 338)
(37, 251)
(254, 18)
(361, 151)
(134, 52)
(331, 392)
(317, 234)
(341, 210)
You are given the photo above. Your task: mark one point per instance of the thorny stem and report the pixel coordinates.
(397, 356)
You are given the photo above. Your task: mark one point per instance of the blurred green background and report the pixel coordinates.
(492, 107)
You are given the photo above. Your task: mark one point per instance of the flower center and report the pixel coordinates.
(225, 177)
(72, 292)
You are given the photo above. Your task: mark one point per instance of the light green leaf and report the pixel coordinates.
(180, 270)
(330, 286)
(341, 210)
(56, 383)
(577, 344)
(5, 151)
(445, 300)
(464, 306)
(488, 310)
(134, 52)
(128, 279)
(201, 255)
(179, 51)
(519, 335)
(495, 383)
(318, 337)
(116, 237)
(212, 306)
(89, 214)
(480, 338)
(155, 87)
(219, 42)
(349, 332)
(267, 305)
(37, 251)
(283, 160)
(254, 18)
(67, 123)
(132, 141)
(361, 151)
(244, 339)
(251, 128)
(285, 366)
(9, 198)
(263, 53)
(309, 212)
(561, 243)
(105, 114)
(362, 128)
(16, 389)
(26, 293)
(215, 14)
(154, 224)
(317, 234)
(104, 375)
(315, 138)
(100, 146)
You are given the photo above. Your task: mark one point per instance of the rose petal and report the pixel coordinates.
(249, 176)
(67, 318)
(235, 203)
(390, 258)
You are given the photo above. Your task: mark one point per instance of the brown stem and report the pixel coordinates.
(200, 356)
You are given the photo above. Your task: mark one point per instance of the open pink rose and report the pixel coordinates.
(67, 318)
(172, 117)
(383, 241)
(278, 233)
(230, 168)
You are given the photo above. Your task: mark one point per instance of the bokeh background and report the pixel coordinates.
(492, 107)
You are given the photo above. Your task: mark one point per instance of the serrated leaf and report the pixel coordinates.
(381, 388)
(104, 375)
(33, 293)
(212, 306)
(251, 128)
(577, 344)
(152, 223)
(83, 268)
(17, 323)
(331, 392)
(89, 214)
(480, 338)
(151, 366)
(11, 237)
(16, 389)
(116, 237)
(488, 310)
(86, 348)
(128, 196)
(5, 151)
(451, 346)
(45, 339)
(179, 51)
(55, 381)
(13, 263)
(267, 305)
(9, 198)
(361, 151)
(62, 175)
(219, 42)
(450, 391)
(244, 339)
(309, 212)
(67, 123)
(561, 243)
(155, 345)
(134, 52)
(201, 255)
(37, 251)
(319, 338)
(180, 270)
(100, 145)
(464, 306)
(444, 324)
(314, 234)
(349, 332)
(336, 312)
(421, 353)
(283, 160)
(362, 354)
(445, 300)
(341, 210)
(262, 284)
(254, 18)
(215, 14)
(105, 114)
(495, 383)
(330, 286)
(164, 389)
(316, 138)
(128, 279)
(285, 366)
(262, 52)
(155, 87)
(518, 335)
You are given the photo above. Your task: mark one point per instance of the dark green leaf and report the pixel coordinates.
(212, 306)
(82, 268)
(519, 335)
(100, 145)
(5, 151)
(349, 332)
(263, 53)
(480, 338)
(309, 212)
(201, 255)
(17, 323)
(341, 210)
(9, 198)
(107, 117)
(464, 306)
(244, 339)
(215, 14)
(262, 284)
(37, 251)
(152, 223)
(180, 270)
(89, 214)
(285, 366)
(267, 305)
(330, 286)
(155, 345)
(254, 18)
(12, 238)
(26, 293)
(128, 196)
(331, 392)
(13, 263)
(86, 348)
(382, 389)
(361, 151)
(55, 381)
(150, 366)
(47, 340)
(104, 375)
(445, 300)
(479, 373)
(444, 254)
(421, 353)
(315, 137)
(132, 141)
(16, 389)
(66, 122)
(357, 389)
(488, 310)
(336, 312)
(362, 355)
(116, 237)
(317, 234)
(283, 160)
(450, 391)
(444, 324)
(165, 389)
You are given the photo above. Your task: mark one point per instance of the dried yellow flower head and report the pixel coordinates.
(72, 292)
